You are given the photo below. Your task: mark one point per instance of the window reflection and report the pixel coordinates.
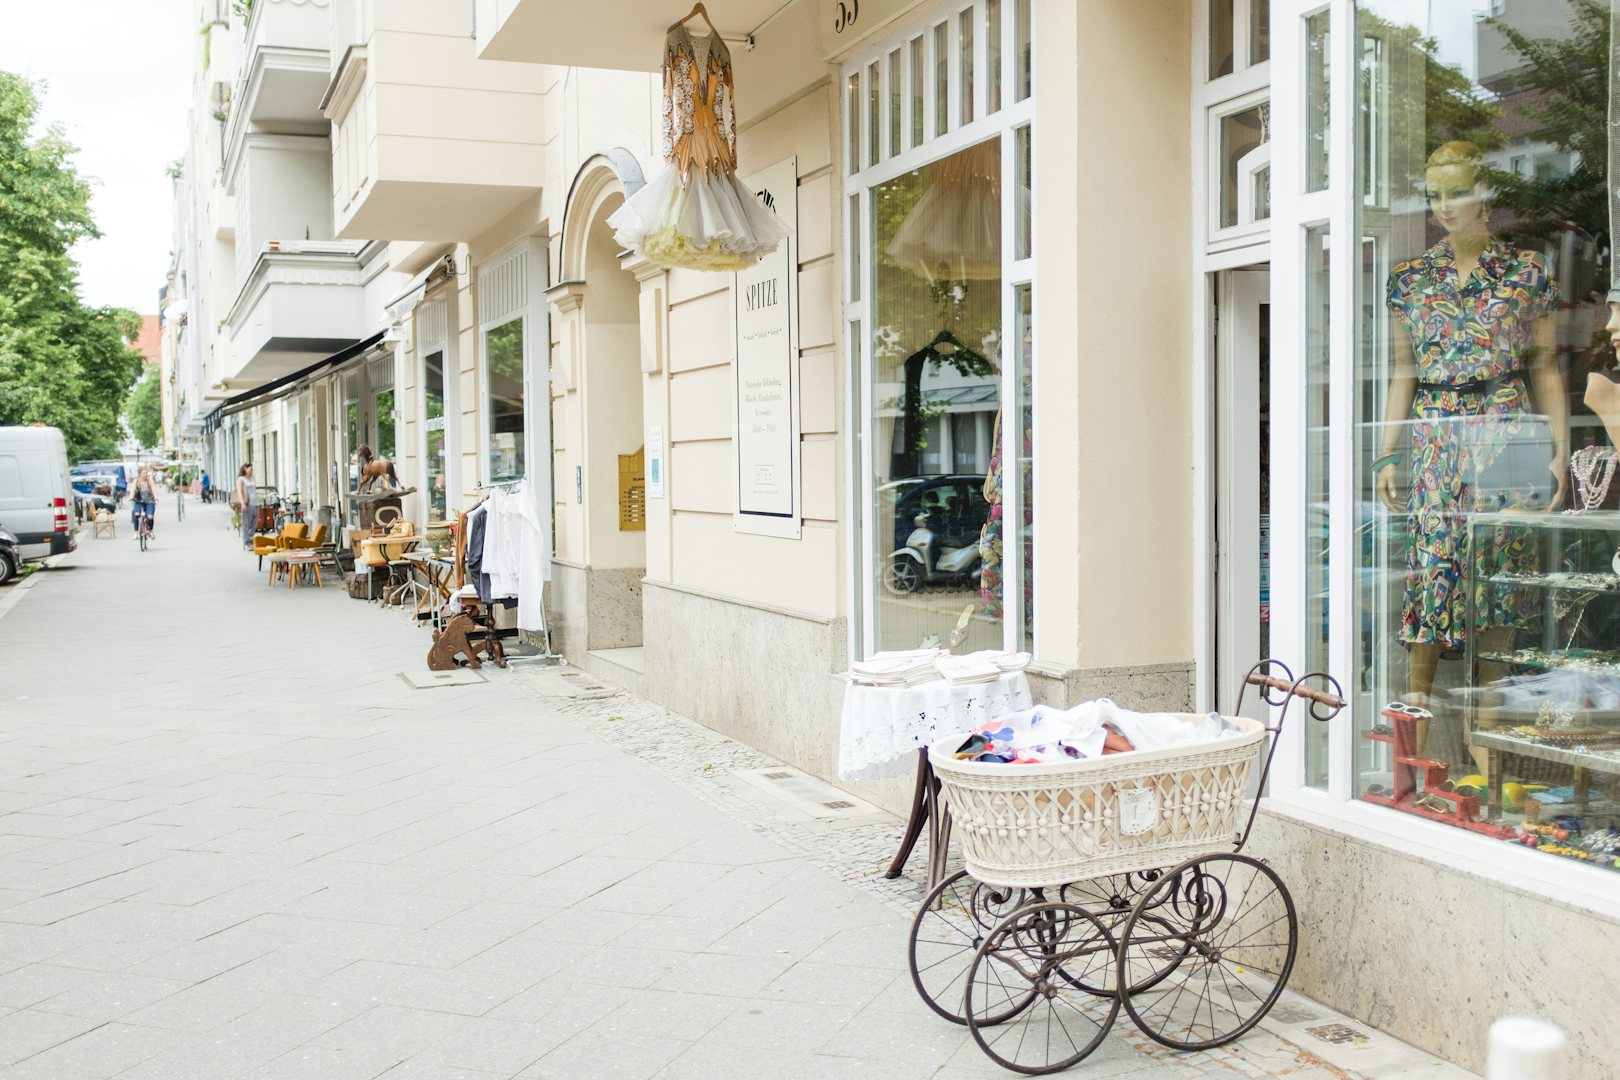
(503, 358)
(935, 415)
(1482, 364)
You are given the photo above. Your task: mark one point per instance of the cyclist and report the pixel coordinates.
(143, 499)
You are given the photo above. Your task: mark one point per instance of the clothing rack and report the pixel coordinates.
(547, 654)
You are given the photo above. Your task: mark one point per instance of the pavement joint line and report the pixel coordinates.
(15, 594)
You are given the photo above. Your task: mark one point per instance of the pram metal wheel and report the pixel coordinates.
(953, 920)
(1029, 999)
(1207, 951)
(1112, 898)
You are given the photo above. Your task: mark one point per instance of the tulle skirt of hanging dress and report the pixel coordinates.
(707, 223)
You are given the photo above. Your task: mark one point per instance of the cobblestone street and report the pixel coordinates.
(236, 843)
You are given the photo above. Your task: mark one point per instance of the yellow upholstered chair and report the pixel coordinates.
(303, 543)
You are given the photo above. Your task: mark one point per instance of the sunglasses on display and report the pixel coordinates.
(1408, 710)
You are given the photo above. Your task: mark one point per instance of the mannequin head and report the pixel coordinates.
(1456, 194)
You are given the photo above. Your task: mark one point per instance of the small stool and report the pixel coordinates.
(279, 566)
(305, 562)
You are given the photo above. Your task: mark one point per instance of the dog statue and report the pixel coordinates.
(452, 640)
(374, 468)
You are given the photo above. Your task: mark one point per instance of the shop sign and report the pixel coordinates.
(766, 371)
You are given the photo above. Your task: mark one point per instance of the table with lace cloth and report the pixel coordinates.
(886, 728)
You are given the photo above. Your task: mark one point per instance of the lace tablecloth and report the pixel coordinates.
(883, 728)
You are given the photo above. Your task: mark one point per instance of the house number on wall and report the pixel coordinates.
(848, 11)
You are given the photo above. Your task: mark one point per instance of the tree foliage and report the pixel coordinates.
(1562, 89)
(61, 362)
(146, 410)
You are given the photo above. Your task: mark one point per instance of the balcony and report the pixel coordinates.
(300, 301)
(789, 51)
(282, 71)
(428, 142)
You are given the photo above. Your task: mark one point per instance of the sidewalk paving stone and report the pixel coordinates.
(281, 862)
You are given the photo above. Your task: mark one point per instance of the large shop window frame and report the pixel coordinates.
(433, 334)
(1012, 113)
(1295, 212)
(511, 286)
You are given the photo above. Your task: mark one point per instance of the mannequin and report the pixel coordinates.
(1603, 387)
(1475, 355)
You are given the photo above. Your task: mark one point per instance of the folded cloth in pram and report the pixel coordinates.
(1089, 730)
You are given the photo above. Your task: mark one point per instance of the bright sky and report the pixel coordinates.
(119, 81)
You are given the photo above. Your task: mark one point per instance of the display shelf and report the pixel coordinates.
(1594, 582)
(1553, 580)
(1550, 662)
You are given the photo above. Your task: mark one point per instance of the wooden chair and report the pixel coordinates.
(104, 524)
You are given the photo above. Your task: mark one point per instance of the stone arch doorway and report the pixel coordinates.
(600, 415)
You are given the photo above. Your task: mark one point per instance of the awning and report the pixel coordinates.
(287, 384)
(400, 307)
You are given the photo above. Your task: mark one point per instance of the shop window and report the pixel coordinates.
(1318, 82)
(936, 343)
(503, 365)
(1244, 189)
(383, 405)
(436, 462)
(1479, 365)
(943, 408)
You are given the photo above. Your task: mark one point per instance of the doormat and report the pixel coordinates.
(426, 680)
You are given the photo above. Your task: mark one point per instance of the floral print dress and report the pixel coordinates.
(1472, 341)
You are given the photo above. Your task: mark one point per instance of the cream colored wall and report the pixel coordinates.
(1113, 348)
(704, 549)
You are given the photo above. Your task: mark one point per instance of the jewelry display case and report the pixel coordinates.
(1541, 714)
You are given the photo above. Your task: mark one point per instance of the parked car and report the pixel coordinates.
(36, 498)
(114, 469)
(955, 504)
(10, 558)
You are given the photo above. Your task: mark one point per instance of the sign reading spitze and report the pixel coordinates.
(765, 371)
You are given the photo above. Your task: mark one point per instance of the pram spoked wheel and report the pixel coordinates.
(953, 920)
(1030, 998)
(1207, 951)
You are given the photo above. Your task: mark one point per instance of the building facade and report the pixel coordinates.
(1190, 272)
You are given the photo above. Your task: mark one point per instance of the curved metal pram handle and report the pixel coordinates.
(1280, 694)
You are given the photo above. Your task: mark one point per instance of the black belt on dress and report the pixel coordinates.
(1474, 386)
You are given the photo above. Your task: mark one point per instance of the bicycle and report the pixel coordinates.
(179, 505)
(144, 529)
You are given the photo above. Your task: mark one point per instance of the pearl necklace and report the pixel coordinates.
(1594, 468)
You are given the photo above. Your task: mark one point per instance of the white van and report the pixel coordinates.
(36, 498)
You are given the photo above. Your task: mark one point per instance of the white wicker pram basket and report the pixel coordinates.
(1040, 826)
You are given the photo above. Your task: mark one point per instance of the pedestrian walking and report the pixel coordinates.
(206, 488)
(242, 501)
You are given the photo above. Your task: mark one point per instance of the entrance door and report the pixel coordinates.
(1243, 481)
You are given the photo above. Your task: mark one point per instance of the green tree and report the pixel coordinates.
(61, 362)
(146, 410)
(1561, 92)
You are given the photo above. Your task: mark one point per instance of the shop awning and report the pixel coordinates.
(287, 384)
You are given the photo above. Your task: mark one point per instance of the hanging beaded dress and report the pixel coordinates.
(696, 213)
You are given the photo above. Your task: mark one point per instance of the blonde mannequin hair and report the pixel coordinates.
(1455, 152)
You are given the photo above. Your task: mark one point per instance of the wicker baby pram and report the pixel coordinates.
(1112, 883)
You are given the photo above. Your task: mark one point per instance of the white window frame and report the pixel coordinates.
(530, 307)
(434, 333)
(1003, 124)
(1293, 212)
